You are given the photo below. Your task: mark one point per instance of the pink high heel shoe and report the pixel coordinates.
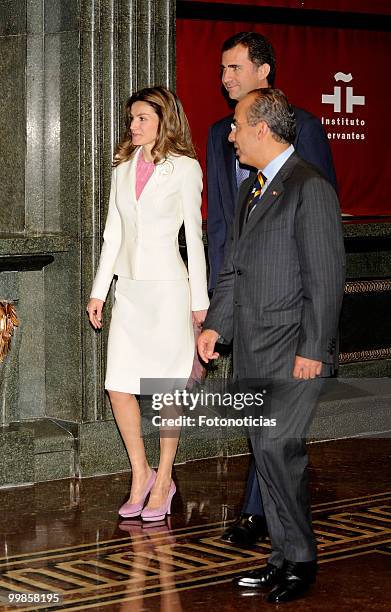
(130, 510)
(159, 514)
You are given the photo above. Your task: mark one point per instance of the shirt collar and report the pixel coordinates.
(274, 166)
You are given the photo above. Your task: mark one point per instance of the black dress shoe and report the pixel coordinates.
(246, 530)
(295, 580)
(263, 578)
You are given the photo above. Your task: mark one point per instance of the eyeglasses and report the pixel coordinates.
(234, 126)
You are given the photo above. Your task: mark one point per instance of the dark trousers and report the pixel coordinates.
(281, 466)
(252, 498)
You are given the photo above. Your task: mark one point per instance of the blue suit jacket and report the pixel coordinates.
(311, 144)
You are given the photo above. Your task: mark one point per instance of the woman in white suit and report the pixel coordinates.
(156, 186)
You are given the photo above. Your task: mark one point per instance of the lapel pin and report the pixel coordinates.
(275, 193)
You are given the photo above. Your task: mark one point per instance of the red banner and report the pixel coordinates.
(339, 75)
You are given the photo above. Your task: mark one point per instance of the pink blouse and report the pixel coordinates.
(144, 172)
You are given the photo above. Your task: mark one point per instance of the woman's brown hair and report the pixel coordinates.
(173, 134)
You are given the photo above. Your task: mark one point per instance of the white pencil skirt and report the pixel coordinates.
(151, 333)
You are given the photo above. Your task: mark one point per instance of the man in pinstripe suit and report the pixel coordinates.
(278, 298)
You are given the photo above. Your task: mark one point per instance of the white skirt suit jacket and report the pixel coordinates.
(151, 333)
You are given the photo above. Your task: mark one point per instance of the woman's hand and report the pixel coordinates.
(94, 309)
(199, 317)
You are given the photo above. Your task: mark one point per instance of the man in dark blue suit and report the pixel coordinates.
(248, 63)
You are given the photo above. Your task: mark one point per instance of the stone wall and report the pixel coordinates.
(66, 70)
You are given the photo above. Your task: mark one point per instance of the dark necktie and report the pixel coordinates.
(255, 193)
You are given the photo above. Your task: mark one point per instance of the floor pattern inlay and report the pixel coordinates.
(152, 560)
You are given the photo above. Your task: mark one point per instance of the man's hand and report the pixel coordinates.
(206, 344)
(306, 368)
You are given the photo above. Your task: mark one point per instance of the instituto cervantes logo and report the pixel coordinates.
(343, 100)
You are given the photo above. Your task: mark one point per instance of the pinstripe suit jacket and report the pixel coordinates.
(280, 290)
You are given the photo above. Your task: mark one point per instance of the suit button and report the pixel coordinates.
(239, 272)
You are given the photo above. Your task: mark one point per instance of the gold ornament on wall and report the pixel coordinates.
(8, 320)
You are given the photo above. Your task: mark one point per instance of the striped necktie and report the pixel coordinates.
(255, 193)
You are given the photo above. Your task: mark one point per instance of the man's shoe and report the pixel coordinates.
(246, 530)
(263, 578)
(295, 580)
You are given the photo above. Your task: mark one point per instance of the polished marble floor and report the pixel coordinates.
(65, 538)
